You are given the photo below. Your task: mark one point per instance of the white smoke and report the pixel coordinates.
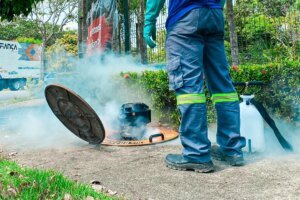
(97, 80)
(289, 131)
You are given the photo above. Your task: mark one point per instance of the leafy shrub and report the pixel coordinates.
(61, 53)
(280, 95)
(29, 40)
(267, 32)
(282, 92)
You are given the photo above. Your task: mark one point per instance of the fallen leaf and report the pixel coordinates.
(44, 194)
(12, 154)
(52, 178)
(11, 192)
(23, 185)
(34, 184)
(89, 198)
(112, 193)
(98, 188)
(67, 197)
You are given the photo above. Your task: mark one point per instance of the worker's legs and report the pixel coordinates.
(185, 69)
(221, 88)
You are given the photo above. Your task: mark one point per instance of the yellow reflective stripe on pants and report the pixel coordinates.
(225, 97)
(190, 99)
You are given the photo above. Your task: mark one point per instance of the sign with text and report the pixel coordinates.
(19, 60)
(100, 25)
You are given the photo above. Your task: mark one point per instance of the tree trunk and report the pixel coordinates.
(142, 44)
(43, 60)
(83, 6)
(80, 27)
(232, 34)
(126, 25)
(116, 35)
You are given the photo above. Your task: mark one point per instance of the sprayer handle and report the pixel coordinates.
(250, 83)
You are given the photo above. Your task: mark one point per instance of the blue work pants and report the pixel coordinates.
(195, 51)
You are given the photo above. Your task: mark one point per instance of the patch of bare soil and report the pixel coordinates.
(140, 173)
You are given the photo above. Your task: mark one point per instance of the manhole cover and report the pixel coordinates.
(75, 114)
(163, 135)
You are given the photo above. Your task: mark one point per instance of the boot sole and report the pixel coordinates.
(188, 167)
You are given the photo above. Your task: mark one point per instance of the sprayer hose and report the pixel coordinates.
(262, 110)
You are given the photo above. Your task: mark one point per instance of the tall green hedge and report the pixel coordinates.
(280, 95)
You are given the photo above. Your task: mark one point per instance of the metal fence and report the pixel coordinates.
(267, 30)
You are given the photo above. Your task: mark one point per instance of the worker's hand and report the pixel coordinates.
(153, 8)
(150, 34)
(223, 2)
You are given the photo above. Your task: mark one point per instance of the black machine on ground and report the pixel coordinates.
(133, 120)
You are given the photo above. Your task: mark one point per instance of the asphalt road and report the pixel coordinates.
(7, 94)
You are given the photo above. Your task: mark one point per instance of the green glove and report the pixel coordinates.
(152, 11)
(223, 3)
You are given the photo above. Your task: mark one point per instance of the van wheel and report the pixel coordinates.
(2, 84)
(15, 85)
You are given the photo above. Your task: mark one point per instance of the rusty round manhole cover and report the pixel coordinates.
(76, 114)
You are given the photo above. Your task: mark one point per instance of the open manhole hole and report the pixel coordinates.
(80, 118)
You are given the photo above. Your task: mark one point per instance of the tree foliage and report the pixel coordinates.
(268, 30)
(10, 9)
(134, 6)
(20, 27)
(50, 16)
(158, 54)
(60, 54)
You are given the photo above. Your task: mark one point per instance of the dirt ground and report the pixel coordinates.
(140, 173)
(37, 139)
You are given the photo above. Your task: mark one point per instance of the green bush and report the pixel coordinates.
(280, 95)
(29, 40)
(61, 53)
(282, 92)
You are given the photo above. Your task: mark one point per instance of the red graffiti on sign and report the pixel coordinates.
(99, 32)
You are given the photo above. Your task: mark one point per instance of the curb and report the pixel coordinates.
(28, 103)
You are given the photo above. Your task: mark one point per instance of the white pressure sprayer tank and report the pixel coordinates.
(252, 125)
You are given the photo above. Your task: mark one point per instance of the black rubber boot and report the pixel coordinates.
(178, 162)
(218, 154)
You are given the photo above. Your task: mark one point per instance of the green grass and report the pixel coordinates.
(30, 184)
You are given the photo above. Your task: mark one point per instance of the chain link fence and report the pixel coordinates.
(267, 30)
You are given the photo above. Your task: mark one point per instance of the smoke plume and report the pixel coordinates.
(97, 80)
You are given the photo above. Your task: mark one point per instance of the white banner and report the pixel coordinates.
(19, 60)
